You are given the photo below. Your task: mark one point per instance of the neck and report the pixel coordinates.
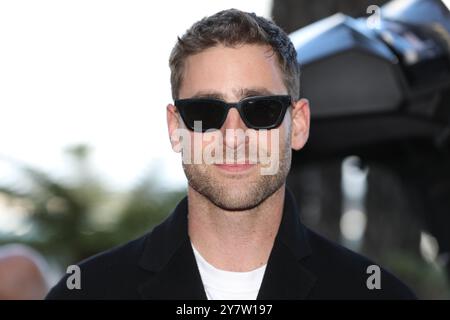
(234, 240)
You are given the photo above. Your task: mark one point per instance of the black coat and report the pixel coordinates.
(161, 265)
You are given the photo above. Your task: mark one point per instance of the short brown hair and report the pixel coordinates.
(230, 28)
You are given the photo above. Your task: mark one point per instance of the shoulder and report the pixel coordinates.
(344, 274)
(102, 275)
(120, 272)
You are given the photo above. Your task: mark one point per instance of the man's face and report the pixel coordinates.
(232, 74)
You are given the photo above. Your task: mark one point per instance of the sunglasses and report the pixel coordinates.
(258, 112)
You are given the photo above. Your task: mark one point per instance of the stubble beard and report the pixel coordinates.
(238, 193)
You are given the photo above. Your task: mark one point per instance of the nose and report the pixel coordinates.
(234, 130)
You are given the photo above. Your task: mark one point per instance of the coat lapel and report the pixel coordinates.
(285, 276)
(169, 258)
(178, 280)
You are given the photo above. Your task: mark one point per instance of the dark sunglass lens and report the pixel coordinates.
(263, 113)
(209, 112)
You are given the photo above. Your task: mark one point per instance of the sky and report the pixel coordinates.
(94, 72)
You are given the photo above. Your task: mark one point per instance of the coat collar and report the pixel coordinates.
(168, 255)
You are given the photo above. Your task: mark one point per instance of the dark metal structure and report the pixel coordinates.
(379, 88)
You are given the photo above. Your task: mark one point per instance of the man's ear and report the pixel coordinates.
(300, 124)
(173, 123)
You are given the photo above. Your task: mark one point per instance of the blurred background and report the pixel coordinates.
(86, 164)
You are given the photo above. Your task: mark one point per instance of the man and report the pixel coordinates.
(237, 234)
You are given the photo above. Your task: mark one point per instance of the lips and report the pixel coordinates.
(235, 167)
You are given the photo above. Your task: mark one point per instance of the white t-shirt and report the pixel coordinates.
(227, 285)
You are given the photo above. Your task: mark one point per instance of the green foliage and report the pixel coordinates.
(72, 220)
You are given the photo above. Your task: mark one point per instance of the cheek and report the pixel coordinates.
(267, 140)
(197, 145)
(208, 144)
(280, 137)
(286, 130)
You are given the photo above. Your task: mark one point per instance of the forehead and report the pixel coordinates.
(231, 70)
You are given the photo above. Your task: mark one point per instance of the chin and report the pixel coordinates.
(235, 199)
(235, 206)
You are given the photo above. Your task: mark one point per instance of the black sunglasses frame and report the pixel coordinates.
(284, 100)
